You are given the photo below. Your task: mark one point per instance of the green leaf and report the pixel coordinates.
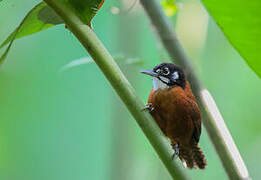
(42, 17)
(39, 18)
(85, 9)
(169, 6)
(241, 23)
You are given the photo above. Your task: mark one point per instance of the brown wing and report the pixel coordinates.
(194, 112)
(195, 116)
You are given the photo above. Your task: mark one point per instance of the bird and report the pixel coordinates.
(175, 110)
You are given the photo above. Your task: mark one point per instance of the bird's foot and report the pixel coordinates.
(148, 107)
(176, 149)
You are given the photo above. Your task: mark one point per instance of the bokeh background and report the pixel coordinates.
(71, 125)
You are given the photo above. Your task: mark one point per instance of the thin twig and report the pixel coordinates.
(212, 119)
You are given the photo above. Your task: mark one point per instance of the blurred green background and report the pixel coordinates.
(71, 125)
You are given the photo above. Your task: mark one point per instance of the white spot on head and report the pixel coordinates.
(175, 75)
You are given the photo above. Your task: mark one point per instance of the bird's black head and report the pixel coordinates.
(167, 75)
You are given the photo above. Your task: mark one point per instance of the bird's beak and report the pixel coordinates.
(149, 72)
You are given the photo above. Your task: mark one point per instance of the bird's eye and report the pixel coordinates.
(165, 71)
(158, 71)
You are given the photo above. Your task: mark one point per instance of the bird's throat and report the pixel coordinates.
(159, 84)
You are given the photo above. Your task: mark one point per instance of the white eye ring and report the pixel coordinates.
(166, 71)
(158, 70)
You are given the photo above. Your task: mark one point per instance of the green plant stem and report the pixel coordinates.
(212, 119)
(120, 84)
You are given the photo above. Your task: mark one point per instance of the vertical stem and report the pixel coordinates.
(212, 119)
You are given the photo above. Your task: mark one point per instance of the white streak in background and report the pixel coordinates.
(87, 60)
(226, 136)
(77, 62)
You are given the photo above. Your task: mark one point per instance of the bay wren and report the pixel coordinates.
(175, 109)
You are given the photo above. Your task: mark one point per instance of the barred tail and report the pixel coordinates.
(186, 156)
(199, 157)
(193, 157)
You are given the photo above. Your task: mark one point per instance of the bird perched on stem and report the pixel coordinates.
(175, 109)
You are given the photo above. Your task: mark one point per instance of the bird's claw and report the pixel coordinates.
(176, 149)
(148, 107)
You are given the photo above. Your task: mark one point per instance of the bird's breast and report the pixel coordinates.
(170, 112)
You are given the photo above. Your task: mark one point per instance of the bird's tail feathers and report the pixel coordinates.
(192, 157)
(199, 157)
(186, 156)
